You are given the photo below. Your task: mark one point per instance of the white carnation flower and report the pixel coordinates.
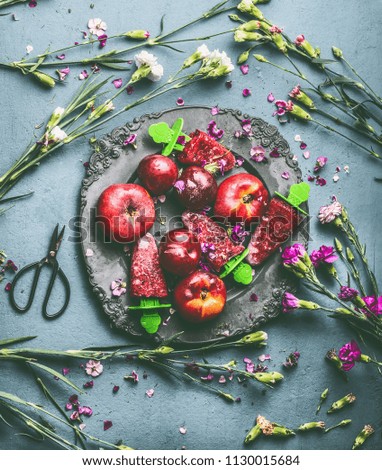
(57, 134)
(97, 26)
(145, 58)
(203, 51)
(156, 73)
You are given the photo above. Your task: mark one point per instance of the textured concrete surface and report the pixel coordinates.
(211, 423)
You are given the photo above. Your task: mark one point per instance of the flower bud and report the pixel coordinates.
(256, 337)
(332, 357)
(268, 377)
(243, 57)
(100, 110)
(250, 26)
(201, 53)
(312, 425)
(45, 79)
(339, 404)
(163, 350)
(241, 36)
(55, 118)
(234, 18)
(323, 397)
(344, 311)
(337, 52)
(363, 124)
(359, 302)
(366, 432)
(299, 113)
(253, 434)
(308, 305)
(248, 6)
(349, 255)
(329, 97)
(279, 42)
(137, 34)
(338, 245)
(260, 58)
(142, 72)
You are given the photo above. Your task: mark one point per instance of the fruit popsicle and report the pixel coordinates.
(222, 254)
(277, 225)
(198, 148)
(147, 282)
(202, 149)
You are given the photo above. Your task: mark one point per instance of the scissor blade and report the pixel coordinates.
(56, 239)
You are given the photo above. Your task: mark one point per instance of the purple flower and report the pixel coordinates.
(290, 302)
(320, 163)
(292, 254)
(117, 82)
(118, 287)
(258, 154)
(374, 304)
(349, 355)
(214, 110)
(213, 131)
(246, 92)
(102, 40)
(246, 125)
(347, 293)
(180, 185)
(244, 69)
(324, 255)
(130, 140)
(328, 213)
(292, 360)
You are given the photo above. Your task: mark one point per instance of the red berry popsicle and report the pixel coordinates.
(222, 254)
(278, 224)
(147, 282)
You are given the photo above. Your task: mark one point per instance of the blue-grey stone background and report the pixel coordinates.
(211, 423)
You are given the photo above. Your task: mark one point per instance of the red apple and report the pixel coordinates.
(241, 198)
(157, 173)
(179, 252)
(126, 212)
(196, 188)
(200, 296)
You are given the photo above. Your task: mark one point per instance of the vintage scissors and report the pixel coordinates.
(49, 260)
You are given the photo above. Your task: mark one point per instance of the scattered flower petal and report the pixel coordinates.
(270, 98)
(83, 75)
(182, 430)
(29, 48)
(285, 175)
(117, 82)
(265, 357)
(8, 286)
(274, 153)
(89, 253)
(321, 181)
(303, 145)
(244, 69)
(107, 425)
(213, 131)
(180, 186)
(306, 154)
(32, 4)
(89, 384)
(346, 168)
(118, 287)
(207, 378)
(129, 89)
(228, 84)
(222, 379)
(336, 178)
(253, 297)
(63, 73)
(61, 56)
(297, 138)
(257, 154)
(65, 371)
(102, 40)
(130, 140)
(246, 92)
(150, 392)
(180, 101)
(115, 388)
(214, 110)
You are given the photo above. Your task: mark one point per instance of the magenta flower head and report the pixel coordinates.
(374, 305)
(347, 293)
(290, 302)
(325, 255)
(349, 355)
(296, 259)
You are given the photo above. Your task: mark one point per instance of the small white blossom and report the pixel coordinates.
(156, 73)
(57, 134)
(203, 51)
(145, 58)
(97, 26)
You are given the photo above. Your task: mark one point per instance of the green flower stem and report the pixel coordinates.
(360, 78)
(354, 273)
(205, 38)
(331, 129)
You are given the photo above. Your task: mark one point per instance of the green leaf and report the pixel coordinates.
(5, 421)
(340, 80)
(6, 342)
(114, 66)
(56, 374)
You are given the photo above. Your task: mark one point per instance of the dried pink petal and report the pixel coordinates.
(285, 175)
(107, 425)
(117, 82)
(244, 69)
(150, 392)
(214, 110)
